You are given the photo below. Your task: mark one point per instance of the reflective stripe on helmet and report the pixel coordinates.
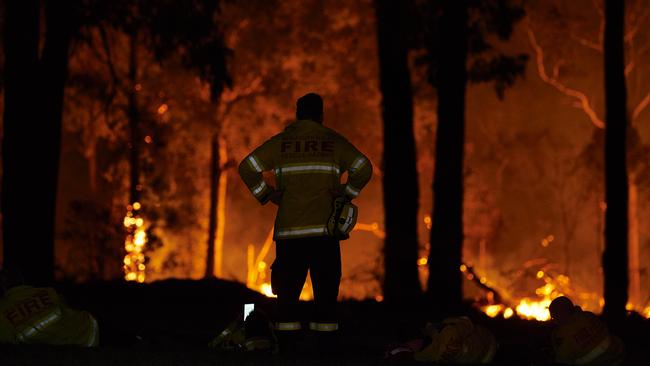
(308, 168)
(347, 225)
(358, 163)
(300, 231)
(259, 188)
(93, 332)
(594, 353)
(254, 163)
(351, 190)
(324, 327)
(287, 326)
(43, 323)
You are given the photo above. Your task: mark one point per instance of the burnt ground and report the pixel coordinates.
(171, 322)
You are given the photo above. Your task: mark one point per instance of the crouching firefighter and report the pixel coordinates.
(38, 315)
(314, 214)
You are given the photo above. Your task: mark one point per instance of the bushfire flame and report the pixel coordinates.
(530, 308)
(537, 309)
(136, 238)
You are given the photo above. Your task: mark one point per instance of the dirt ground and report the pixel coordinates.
(171, 323)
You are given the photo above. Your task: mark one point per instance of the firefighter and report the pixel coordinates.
(308, 160)
(580, 338)
(38, 315)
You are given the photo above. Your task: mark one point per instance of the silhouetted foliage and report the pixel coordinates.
(487, 21)
(170, 29)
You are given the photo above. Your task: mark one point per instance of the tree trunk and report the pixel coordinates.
(134, 122)
(445, 282)
(634, 266)
(214, 189)
(615, 256)
(34, 92)
(19, 193)
(401, 284)
(54, 73)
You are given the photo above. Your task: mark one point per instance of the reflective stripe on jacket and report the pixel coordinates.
(308, 160)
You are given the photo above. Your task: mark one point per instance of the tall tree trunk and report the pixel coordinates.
(215, 172)
(134, 122)
(401, 283)
(53, 74)
(633, 246)
(19, 193)
(615, 256)
(32, 135)
(445, 280)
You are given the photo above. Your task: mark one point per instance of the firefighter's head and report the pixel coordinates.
(310, 106)
(561, 309)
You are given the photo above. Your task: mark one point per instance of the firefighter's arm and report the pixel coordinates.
(251, 168)
(359, 172)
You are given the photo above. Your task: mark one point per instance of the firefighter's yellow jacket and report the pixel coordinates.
(308, 160)
(585, 340)
(459, 342)
(38, 316)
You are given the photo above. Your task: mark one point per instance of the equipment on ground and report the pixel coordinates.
(251, 331)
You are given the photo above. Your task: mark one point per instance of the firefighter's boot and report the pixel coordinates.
(327, 336)
(288, 335)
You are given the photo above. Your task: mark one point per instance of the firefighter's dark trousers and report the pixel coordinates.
(321, 256)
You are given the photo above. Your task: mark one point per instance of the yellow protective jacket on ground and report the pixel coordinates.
(38, 316)
(308, 160)
(459, 342)
(585, 340)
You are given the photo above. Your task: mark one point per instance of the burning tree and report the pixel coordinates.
(125, 39)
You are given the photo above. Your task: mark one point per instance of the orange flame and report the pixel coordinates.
(136, 239)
